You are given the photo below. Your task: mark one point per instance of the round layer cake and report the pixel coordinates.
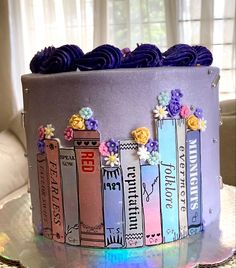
(123, 158)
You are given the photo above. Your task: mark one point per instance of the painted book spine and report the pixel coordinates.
(168, 180)
(56, 203)
(90, 188)
(44, 194)
(70, 196)
(151, 204)
(132, 194)
(193, 146)
(181, 162)
(113, 206)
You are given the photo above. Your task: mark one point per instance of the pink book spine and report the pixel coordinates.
(55, 186)
(44, 194)
(90, 195)
(151, 204)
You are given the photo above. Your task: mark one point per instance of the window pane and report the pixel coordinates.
(223, 31)
(189, 9)
(190, 32)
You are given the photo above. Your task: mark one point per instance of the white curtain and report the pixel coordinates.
(27, 26)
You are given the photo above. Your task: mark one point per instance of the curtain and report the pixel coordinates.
(27, 26)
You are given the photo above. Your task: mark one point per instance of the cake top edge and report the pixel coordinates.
(69, 58)
(170, 69)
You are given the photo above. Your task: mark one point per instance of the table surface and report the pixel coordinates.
(18, 243)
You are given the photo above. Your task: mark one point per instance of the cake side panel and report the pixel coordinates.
(123, 100)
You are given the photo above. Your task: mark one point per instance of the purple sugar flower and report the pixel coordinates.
(112, 145)
(174, 107)
(41, 146)
(176, 94)
(91, 124)
(152, 145)
(198, 113)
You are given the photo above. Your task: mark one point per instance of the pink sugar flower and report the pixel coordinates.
(41, 133)
(184, 112)
(68, 134)
(103, 149)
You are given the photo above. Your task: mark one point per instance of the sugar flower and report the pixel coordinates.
(160, 112)
(193, 122)
(86, 112)
(184, 112)
(41, 133)
(141, 135)
(174, 107)
(103, 149)
(163, 98)
(202, 124)
(77, 122)
(91, 124)
(68, 134)
(143, 153)
(154, 159)
(198, 113)
(112, 145)
(48, 131)
(176, 94)
(41, 146)
(112, 159)
(152, 145)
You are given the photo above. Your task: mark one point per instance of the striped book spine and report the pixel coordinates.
(168, 180)
(151, 204)
(132, 194)
(113, 207)
(90, 194)
(44, 194)
(181, 172)
(56, 203)
(70, 196)
(193, 152)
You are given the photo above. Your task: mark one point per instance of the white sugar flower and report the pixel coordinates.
(143, 153)
(112, 159)
(160, 112)
(202, 124)
(48, 130)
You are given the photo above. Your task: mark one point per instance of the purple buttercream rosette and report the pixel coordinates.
(145, 55)
(204, 55)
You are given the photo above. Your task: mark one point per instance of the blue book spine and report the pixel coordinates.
(113, 207)
(166, 130)
(193, 152)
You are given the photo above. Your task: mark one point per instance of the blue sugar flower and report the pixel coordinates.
(176, 94)
(152, 145)
(198, 113)
(174, 107)
(41, 146)
(112, 145)
(154, 158)
(86, 112)
(91, 124)
(164, 98)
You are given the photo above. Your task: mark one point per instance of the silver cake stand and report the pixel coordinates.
(19, 244)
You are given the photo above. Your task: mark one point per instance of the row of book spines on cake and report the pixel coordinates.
(54, 179)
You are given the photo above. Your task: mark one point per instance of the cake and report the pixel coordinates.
(122, 146)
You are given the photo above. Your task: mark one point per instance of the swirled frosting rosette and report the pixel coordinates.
(40, 57)
(204, 56)
(62, 60)
(102, 57)
(180, 55)
(145, 55)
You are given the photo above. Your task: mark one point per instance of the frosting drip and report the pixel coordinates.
(102, 57)
(145, 55)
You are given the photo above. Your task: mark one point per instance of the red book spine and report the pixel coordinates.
(55, 186)
(44, 194)
(90, 194)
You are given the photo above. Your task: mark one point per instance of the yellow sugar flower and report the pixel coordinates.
(141, 135)
(48, 131)
(77, 122)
